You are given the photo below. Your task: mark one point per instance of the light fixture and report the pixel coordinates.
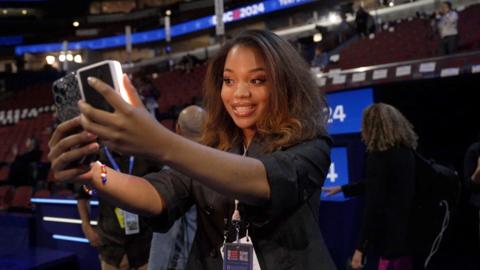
(69, 57)
(24, 12)
(50, 59)
(5, 11)
(317, 37)
(168, 12)
(76, 24)
(61, 58)
(334, 18)
(391, 4)
(78, 59)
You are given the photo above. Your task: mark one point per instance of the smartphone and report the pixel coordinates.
(108, 71)
(66, 95)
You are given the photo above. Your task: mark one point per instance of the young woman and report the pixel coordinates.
(264, 145)
(389, 187)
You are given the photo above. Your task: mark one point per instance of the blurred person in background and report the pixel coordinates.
(23, 168)
(169, 251)
(320, 59)
(389, 187)
(118, 246)
(447, 28)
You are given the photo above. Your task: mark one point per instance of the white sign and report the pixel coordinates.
(359, 77)
(10, 117)
(447, 72)
(476, 69)
(427, 67)
(379, 74)
(322, 81)
(403, 71)
(339, 79)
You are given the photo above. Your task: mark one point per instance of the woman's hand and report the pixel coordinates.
(330, 191)
(67, 145)
(128, 130)
(357, 259)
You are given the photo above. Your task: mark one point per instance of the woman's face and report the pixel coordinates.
(246, 87)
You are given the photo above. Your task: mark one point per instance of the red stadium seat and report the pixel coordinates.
(41, 193)
(4, 173)
(22, 197)
(6, 196)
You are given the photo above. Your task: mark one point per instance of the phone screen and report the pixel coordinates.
(92, 97)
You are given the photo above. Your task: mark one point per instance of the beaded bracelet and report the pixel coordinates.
(103, 177)
(103, 173)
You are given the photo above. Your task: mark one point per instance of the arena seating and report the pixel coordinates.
(6, 196)
(410, 39)
(21, 200)
(178, 87)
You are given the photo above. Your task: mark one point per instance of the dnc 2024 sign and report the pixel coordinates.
(345, 110)
(337, 173)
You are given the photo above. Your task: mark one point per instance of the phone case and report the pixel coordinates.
(66, 95)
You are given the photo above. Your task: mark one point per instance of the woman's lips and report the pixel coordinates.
(243, 110)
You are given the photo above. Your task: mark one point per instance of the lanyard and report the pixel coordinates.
(236, 218)
(115, 164)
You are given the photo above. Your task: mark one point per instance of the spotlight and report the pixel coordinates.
(168, 12)
(334, 18)
(50, 59)
(76, 24)
(317, 37)
(61, 58)
(69, 57)
(78, 59)
(24, 11)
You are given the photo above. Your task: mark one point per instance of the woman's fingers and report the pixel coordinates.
(66, 158)
(102, 131)
(63, 130)
(99, 116)
(69, 142)
(112, 97)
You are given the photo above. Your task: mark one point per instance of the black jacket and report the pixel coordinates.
(390, 190)
(285, 233)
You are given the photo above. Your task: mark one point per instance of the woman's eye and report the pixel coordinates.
(227, 81)
(258, 81)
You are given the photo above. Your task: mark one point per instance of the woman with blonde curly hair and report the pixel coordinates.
(389, 187)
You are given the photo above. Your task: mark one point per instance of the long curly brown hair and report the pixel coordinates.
(383, 127)
(296, 109)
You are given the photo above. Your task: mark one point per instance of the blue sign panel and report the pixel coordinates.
(337, 173)
(345, 110)
(176, 30)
